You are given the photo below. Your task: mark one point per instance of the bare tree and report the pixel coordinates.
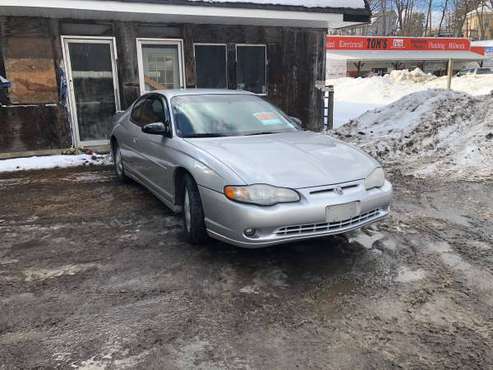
(444, 11)
(428, 23)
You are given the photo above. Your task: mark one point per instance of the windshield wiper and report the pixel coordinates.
(204, 136)
(262, 133)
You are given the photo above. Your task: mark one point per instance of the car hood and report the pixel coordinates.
(294, 160)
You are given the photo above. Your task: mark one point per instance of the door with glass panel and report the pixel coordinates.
(160, 64)
(93, 87)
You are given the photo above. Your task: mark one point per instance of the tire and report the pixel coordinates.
(118, 163)
(193, 214)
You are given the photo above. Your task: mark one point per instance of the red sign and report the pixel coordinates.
(479, 50)
(397, 43)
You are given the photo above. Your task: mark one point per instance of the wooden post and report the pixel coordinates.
(330, 108)
(450, 73)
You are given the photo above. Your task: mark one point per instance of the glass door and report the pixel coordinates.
(160, 64)
(93, 85)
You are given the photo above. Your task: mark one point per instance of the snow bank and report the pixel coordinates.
(354, 96)
(416, 76)
(53, 161)
(433, 132)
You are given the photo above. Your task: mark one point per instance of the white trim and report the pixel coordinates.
(225, 58)
(72, 107)
(155, 41)
(154, 12)
(368, 55)
(266, 65)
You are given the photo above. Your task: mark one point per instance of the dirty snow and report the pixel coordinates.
(430, 133)
(355, 96)
(53, 161)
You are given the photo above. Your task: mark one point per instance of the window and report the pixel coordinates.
(251, 68)
(137, 111)
(149, 109)
(211, 66)
(160, 64)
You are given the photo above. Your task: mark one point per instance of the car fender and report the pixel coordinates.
(207, 171)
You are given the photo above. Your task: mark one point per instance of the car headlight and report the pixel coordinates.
(376, 179)
(262, 195)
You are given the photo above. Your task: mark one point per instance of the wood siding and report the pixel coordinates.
(295, 63)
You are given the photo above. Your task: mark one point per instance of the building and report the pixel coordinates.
(363, 56)
(478, 24)
(485, 47)
(381, 24)
(73, 64)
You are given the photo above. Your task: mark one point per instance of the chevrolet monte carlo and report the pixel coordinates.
(243, 172)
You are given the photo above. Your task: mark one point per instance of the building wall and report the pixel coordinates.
(381, 25)
(472, 26)
(30, 116)
(35, 118)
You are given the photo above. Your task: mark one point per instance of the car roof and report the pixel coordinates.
(188, 92)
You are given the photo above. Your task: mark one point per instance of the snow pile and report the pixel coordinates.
(53, 161)
(416, 76)
(355, 96)
(433, 132)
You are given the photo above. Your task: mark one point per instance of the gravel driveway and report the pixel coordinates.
(94, 274)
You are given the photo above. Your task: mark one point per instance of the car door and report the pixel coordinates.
(129, 143)
(156, 167)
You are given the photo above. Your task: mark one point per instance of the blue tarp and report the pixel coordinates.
(4, 83)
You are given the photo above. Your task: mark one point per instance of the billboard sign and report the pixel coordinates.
(397, 43)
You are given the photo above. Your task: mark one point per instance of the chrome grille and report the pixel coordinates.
(333, 226)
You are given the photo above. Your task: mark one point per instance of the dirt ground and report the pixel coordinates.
(94, 274)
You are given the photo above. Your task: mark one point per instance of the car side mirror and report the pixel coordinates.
(296, 121)
(157, 128)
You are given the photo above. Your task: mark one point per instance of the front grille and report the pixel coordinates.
(333, 226)
(331, 190)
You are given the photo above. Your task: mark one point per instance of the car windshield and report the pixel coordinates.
(227, 115)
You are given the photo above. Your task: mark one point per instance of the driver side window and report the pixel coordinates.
(149, 110)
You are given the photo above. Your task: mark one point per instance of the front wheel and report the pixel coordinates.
(118, 163)
(193, 213)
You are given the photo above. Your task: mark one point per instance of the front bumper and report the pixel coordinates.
(227, 220)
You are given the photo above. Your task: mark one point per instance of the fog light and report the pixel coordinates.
(250, 233)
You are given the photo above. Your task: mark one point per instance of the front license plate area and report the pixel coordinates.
(342, 212)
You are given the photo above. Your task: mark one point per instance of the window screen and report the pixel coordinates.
(210, 62)
(251, 68)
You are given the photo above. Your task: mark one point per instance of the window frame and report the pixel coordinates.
(140, 42)
(166, 107)
(266, 66)
(225, 59)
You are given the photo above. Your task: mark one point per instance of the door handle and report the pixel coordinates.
(134, 140)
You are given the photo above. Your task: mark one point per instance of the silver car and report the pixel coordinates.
(243, 172)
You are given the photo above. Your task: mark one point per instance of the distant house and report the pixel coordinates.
(479, 23)
(381, 24)
(73, 64)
